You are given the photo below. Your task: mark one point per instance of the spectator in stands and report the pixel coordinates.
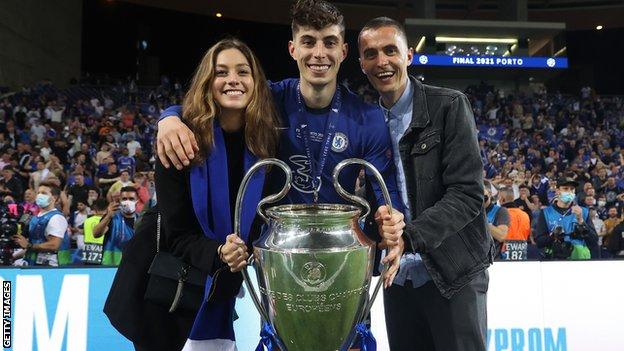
(47, 243)
(615, 246)
(142, 162)
(125, 161)
(497, 216)
(37, 130)
(143, 196)
(76, 222)
(103, 154)
(92, 196)
(124, 181)
(132, 145)
(79, 191)
(564, 229)
(10, 185)
(29, 205)
(611, 191)
(523, 201)
(107, 179)
(117, 226)
(612, 220)
(601, 231)
(42, 174)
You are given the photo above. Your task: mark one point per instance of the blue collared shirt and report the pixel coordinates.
(398, 119)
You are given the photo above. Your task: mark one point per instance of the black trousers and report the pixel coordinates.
(420, 319)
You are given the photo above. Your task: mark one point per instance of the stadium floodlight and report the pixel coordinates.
(598, 27)
(476, 40)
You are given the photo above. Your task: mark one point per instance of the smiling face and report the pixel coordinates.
(384, 58)
(318, 53)
(233, 83)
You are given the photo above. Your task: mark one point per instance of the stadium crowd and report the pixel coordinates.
(94, 144)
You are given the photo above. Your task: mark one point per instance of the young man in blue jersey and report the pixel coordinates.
(322, 122)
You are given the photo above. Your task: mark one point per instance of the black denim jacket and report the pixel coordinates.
(444, 177)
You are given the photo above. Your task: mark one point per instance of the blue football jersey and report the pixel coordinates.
(360, 132)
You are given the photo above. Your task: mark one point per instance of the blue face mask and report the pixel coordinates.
(567, 197)
(42, 200)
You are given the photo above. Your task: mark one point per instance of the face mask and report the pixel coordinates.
(128, 206)
(42, 200)
(602, 203)
(567, 197)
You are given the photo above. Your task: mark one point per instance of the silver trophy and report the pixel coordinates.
(313, 264)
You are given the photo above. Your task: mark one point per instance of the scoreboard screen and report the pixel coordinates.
(491, 61)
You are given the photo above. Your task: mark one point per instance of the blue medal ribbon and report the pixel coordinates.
(267, 335)
(367, 340)
(328, 136)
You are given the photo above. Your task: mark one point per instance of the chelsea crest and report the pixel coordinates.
(340, 142)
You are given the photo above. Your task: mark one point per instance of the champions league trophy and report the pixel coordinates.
(314, 266)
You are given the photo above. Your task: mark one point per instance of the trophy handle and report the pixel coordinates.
(364, 204)
(238, 213)
(360, 201)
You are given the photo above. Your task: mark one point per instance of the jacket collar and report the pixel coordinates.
(420, 113)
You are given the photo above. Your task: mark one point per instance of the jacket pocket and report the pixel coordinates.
(426, 143)
(424, 156)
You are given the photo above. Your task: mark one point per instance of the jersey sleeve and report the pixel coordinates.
(377, 149)
(173, 110)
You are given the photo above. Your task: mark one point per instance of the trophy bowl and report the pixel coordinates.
(314, 268)
(313, 265)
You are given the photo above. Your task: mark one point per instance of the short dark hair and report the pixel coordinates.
(317, 14)
(99, 204)
(55, 190)
(128, 189)
(380, 22)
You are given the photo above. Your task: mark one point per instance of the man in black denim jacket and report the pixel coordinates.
(438, 302)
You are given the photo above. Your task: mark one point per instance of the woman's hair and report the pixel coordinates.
(200, 108)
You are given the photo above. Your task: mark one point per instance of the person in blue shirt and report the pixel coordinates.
(125, 161)
(564, 230)
(322, 124)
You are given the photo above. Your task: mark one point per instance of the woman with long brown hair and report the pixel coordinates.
(230, 110)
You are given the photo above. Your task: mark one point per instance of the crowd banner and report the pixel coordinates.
(532, 306)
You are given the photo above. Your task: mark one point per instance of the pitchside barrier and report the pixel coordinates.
(536, 306)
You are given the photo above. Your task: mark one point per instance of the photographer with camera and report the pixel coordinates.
(564, 230)
(48, 242)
